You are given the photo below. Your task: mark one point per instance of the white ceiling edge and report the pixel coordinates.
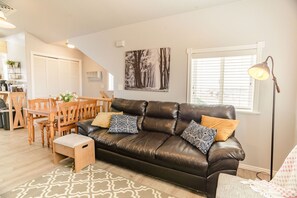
(53, 20)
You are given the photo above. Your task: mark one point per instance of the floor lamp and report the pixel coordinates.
(261, 72)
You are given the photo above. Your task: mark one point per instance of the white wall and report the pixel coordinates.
(33, 44)
(239, 23)
(16, 51)
(20, 46)
(92, 88)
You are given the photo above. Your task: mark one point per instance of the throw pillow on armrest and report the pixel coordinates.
(199, 136)
(103, 119)
(225, 127)
(123, 124)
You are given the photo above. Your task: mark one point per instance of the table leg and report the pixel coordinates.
(30, 128)
(52, 132)
(33, 131)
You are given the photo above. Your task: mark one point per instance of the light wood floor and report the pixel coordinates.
(20, 162)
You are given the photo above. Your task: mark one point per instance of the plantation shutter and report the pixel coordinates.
(222, 78)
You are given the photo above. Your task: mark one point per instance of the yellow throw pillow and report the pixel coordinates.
(224, 127)
(103, 119)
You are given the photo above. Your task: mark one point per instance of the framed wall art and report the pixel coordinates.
(147, 69)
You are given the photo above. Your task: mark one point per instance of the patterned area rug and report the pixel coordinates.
(89, 182)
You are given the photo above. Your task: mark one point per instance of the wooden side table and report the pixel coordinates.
(80, 148)
(16, 100)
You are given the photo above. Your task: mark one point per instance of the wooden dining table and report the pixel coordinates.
(50, 113)
(103, 104)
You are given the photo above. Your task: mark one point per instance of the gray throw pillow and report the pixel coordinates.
(123, 124)
(199, 136)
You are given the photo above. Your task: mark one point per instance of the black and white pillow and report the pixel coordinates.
(123, 124)
(199, 136)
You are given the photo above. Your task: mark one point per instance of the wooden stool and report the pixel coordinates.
(79, 147)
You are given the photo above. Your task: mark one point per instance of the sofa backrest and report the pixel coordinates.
(169, 117)
(188, 112)
(130, 107)
(161, 117)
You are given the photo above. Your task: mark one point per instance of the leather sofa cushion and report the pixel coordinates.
(106, 140)
(167, 110)
(142, 145)
(178, 154)
(188, 112)
(160, 125)
(161, 116)
(130, 107)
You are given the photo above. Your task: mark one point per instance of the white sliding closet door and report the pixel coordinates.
(51, 76)
(52, 66)
(39, 77)
(74, 78)
(68, 75)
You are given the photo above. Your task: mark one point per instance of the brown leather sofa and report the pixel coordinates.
(158, 149)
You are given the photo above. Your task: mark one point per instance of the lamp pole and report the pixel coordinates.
(272, 133)
(275, 88)
(261, 72)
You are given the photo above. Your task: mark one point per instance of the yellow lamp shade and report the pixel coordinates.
(260, 71)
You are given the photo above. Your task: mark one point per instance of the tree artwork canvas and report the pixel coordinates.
(147, 70)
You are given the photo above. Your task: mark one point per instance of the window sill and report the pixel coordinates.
(248, 112)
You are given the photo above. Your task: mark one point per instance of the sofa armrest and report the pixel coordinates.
(85, 127)
(230, 149)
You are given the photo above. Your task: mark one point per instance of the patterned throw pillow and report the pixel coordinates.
(224, 127)
(199, 136)
(123, 124)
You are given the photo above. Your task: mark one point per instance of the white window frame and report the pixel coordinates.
(110, 82)
(259, 49)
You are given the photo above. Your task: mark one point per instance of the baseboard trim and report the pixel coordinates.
(254, 168)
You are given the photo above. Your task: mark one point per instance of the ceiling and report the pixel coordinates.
(56, 20)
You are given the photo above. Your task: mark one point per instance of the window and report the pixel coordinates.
(219, 76)
(110, 82)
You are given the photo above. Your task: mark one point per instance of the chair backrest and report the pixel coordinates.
(53, 102)
(87, 109)
(39, 103)
(103, 104)
(67, 113)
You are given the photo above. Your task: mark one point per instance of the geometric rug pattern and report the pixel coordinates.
(90, 182)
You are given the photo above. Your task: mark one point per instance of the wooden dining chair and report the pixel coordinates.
(53, 102)
(67, 118)
(87, 109)
(41, 103)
